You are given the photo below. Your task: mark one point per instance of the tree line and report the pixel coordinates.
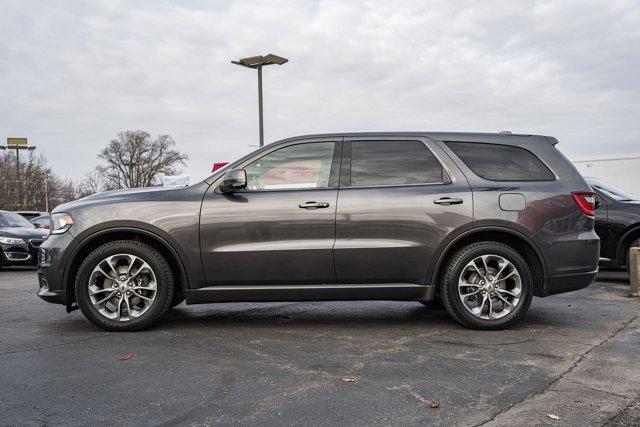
(133, 159)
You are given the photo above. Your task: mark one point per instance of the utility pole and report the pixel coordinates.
(18, 144)
(257, 62)
(46, 191)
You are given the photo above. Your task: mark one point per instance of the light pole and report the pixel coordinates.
(17, 144)
(257, 62)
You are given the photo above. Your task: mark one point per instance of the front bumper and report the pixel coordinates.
(52, 296)
(18, 254)
(53, 255)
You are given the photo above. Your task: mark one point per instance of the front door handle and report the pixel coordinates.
(446, 201)
(314, 205)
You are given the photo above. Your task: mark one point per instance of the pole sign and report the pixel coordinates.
(16, 142)
(176, 181)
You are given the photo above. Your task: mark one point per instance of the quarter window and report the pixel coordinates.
(393, 163)
(501, 162)
(296, 166)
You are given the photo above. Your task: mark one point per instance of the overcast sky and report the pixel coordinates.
(73, 74)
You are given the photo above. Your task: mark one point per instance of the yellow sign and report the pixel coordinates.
(15, 142)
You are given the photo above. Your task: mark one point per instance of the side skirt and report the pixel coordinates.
(333, 292)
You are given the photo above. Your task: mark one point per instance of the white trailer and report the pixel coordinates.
(622, 171)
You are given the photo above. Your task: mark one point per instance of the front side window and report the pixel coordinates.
(294, 167)
(498, 162)
(393, 163)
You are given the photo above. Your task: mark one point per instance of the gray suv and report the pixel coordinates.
(481, 221)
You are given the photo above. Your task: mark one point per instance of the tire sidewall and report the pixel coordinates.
(525, 275)
(164, 283)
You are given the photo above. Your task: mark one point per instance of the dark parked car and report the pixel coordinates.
(482, 221)
(39, 219)
(29, 215)
(617, 223)
(19, 240)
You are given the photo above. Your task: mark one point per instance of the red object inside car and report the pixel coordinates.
(219, 165)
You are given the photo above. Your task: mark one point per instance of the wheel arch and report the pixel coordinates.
(94, 240)
(524, 245)
(624, 242)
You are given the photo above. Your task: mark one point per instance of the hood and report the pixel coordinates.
(115, 196)
(24, 232)
(124, 192)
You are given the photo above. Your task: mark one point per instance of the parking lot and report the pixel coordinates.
(575, 356)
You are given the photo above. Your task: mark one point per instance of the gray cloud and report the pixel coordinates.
(73, 74)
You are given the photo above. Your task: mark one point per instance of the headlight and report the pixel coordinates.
(11, 241)
(61, 222)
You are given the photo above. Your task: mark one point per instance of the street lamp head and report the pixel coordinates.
(275, 59)
(260, 61)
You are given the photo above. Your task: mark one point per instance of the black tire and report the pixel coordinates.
(164, 283)
(455, 267)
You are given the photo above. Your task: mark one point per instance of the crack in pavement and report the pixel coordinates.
(578, 383)
(574, 365)
(23, 350)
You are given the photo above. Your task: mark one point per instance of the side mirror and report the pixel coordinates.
(235, 179)
(37, 225)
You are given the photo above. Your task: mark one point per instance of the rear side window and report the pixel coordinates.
(501, 162)
(393, 163)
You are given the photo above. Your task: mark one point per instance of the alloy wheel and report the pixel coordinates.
(490, 287)
(122, 287)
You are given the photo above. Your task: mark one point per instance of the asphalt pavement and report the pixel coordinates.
(575, 357)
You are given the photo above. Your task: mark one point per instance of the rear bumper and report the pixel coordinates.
(561, 283)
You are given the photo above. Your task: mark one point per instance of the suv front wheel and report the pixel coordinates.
(487, 285)
(124, 286)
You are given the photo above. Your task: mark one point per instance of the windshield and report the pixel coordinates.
(610, 191)
(10, 219)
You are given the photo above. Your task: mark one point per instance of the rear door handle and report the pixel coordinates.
(446, 201)
(313, 205)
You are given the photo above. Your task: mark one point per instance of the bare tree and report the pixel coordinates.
(134, 159)
(91, 183)
(29, 193)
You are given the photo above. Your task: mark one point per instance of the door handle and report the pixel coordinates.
(313, 205)
(446, 201)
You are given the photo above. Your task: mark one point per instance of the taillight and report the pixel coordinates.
(586, 201)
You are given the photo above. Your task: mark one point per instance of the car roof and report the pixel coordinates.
(442, 136)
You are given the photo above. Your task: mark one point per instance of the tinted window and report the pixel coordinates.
(295, 166)
(42, 222)
(393, 163)
(501, 162)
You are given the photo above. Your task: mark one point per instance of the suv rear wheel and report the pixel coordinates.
(124, 286)
(487, 285)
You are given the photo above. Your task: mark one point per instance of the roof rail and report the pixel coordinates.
(506, 132)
